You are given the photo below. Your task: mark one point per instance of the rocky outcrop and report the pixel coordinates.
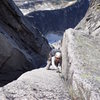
(91, 22)
(22, 47)
(81, 64)
(39, 84)
(81, 55)
(59, 20)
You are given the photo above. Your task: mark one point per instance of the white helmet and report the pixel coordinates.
(58, 55)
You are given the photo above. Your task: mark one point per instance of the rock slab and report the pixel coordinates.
(81, 63)
(39, 84)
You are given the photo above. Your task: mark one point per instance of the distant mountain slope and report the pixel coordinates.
(27, 6)
(59, 20)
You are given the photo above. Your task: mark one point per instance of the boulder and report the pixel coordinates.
(22, 46)
(81, 64)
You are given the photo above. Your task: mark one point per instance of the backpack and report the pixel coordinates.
(53, 52)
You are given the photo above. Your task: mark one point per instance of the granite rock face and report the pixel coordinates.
(81, 63)
(57, 21)
(81, 55)
(39, 84)
(22, 47)
(91, 22)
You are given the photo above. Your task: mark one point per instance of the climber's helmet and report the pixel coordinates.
(58, 55)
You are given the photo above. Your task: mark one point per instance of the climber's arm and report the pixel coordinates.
(53, 62)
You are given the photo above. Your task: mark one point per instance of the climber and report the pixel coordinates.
(54, 59)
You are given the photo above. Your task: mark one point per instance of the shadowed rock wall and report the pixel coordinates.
(22, 47)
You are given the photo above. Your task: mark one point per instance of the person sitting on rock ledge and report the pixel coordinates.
(55, 59)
